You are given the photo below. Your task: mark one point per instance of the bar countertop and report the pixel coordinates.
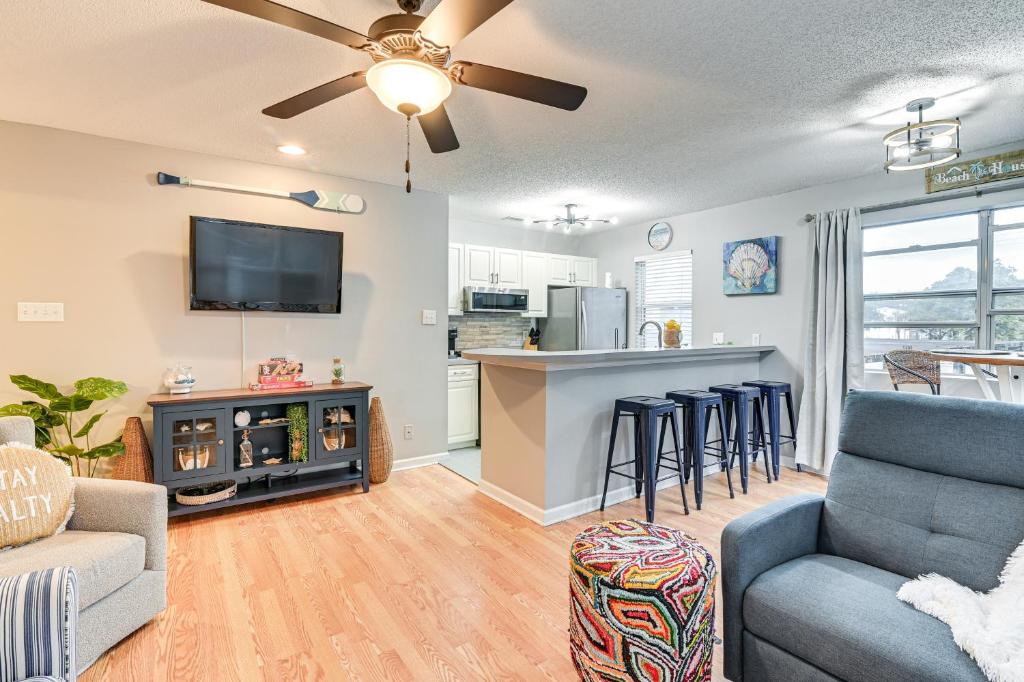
(552, 361)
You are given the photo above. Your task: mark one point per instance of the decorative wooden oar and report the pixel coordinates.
(314, 198)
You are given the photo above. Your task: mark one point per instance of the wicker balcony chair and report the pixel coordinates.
(913, 367)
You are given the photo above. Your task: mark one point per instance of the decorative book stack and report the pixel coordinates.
(278, 373)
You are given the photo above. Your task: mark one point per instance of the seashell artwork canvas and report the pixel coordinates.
(750, 266)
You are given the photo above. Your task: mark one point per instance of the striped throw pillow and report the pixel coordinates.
(39, 619)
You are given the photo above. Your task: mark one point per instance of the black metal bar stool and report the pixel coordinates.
(697, 408)
(771, 398)
(738, 401)
(645, 412)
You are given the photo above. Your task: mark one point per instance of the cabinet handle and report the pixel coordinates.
(220, 442)
(319, 430)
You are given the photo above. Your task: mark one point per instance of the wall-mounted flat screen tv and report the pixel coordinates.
(250, 266)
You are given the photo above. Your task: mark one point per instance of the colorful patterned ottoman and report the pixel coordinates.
(642, 598)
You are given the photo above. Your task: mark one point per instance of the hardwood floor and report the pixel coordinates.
(421, 579)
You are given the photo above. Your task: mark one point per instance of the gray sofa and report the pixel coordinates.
(921, 484)
(116, 541)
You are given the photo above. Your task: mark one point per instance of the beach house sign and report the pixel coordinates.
(960, 174)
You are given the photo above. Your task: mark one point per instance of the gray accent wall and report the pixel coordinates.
(84, 223)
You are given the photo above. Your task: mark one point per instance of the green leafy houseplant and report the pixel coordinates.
(55, 429)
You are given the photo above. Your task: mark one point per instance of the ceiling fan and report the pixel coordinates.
(568, 221)
(412, 71)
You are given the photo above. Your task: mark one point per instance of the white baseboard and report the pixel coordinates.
(513, 502)
(417, 462)
(589, 504)
(547, 517)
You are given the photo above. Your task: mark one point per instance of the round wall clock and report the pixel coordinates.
(659, 236)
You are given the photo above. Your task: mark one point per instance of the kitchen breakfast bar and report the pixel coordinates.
(545, 417)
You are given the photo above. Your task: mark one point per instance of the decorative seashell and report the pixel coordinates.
(749, 264)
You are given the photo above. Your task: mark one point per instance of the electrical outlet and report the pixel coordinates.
(718, 338)
(755, 339)
(407, 431)
(429, 317)
(40, 312)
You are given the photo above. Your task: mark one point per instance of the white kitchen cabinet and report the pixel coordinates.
(479, 266)
(583, 271)
(487, 266)
(463, 406)
(535, 280)
(508, 268)
(559, 269)
(455, 274)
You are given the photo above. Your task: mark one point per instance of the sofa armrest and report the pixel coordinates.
(754, 543)
(124, 507)
(40, 611)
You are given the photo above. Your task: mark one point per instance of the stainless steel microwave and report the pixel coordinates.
(489, 300)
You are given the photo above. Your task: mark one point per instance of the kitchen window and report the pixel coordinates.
(663, 292)
(950, 282)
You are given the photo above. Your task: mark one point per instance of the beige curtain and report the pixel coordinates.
(834, 358)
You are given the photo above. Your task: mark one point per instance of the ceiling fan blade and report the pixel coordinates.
(522, 85)
(437, 128)
(293, 18)
(453, 20)
(301, 103)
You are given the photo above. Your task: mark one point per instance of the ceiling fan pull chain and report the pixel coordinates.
(408, 166)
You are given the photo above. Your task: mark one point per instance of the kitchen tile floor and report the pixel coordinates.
(464, 462)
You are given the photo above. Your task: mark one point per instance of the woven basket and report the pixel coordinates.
(382, 452)
(136, 464)
(221, 490)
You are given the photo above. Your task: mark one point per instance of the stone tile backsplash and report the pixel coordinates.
(491, 330)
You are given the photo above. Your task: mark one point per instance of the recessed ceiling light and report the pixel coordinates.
(291, 149)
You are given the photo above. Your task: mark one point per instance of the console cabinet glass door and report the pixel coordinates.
(194, 444)
(338, 428)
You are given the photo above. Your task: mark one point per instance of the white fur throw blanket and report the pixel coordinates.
(989, 627)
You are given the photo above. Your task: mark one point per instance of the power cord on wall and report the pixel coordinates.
(242, 368)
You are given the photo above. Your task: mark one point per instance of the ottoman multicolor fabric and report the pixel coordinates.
(642, 598)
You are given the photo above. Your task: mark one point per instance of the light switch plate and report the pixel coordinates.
(718, 338)
(40, 312)
(755, 339)
(429, 316)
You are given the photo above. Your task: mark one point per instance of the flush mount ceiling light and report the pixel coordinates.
(412, 72)
(922, 144)
(291, 149)
(567, 222)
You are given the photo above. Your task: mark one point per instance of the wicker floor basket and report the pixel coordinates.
(382, 451)
(136, 464)
(206, 493)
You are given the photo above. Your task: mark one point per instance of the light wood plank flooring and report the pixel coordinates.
(423, 578)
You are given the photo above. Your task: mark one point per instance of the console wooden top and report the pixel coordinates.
(243, 393)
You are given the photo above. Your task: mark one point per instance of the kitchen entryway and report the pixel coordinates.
(464, 462)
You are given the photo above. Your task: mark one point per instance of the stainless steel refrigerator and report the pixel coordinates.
(584, 318)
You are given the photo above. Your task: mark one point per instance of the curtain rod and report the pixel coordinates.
(973, 192)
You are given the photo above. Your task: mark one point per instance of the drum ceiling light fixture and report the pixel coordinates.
(922, 144)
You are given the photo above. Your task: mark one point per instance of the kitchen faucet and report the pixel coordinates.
(656, 326)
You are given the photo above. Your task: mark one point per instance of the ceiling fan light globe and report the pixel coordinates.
(613, 221)
(942, 141)
(406, 83)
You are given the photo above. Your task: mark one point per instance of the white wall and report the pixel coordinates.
(511, 236)
(84, 223)
(779, 318)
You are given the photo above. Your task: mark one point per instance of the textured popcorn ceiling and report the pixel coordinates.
(692, 104)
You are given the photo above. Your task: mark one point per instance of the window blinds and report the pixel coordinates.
(663, 292)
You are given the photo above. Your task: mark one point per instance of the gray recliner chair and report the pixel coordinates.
(116, 542)
(921, 484)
